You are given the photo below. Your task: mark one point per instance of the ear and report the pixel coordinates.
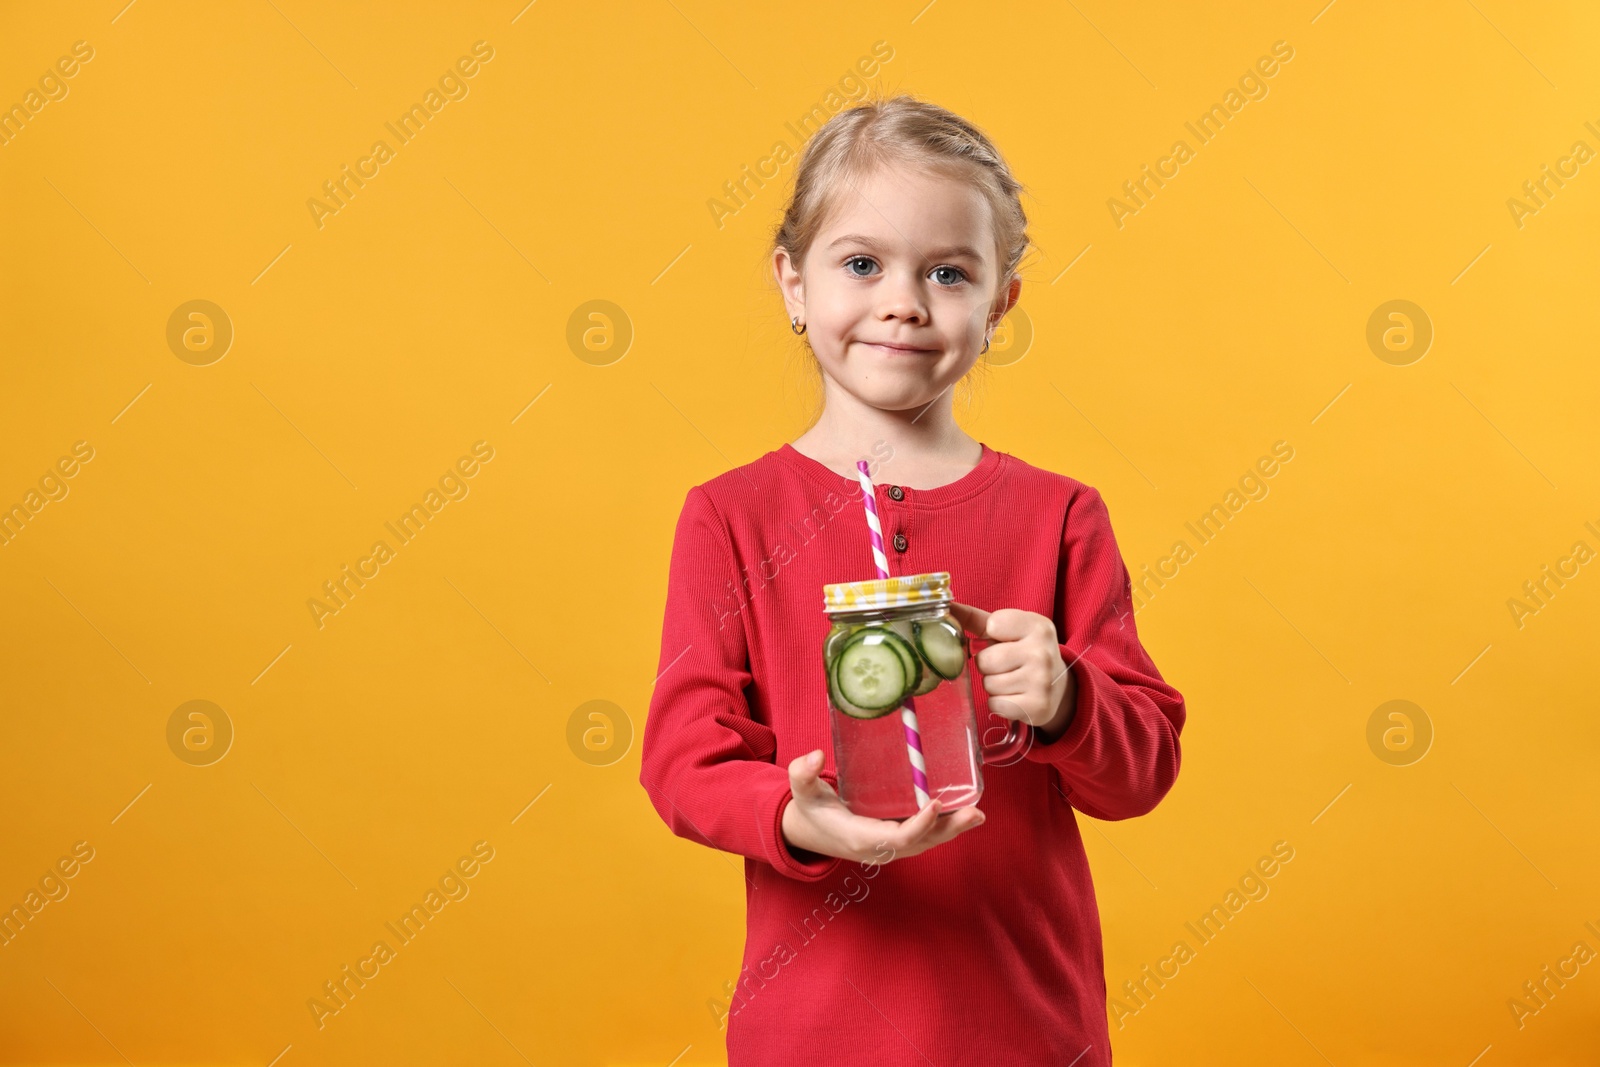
(791, 284)
(1008, 301)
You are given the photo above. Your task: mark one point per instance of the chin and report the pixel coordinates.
(897, 399)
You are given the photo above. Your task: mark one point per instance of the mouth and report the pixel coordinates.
(898, 350)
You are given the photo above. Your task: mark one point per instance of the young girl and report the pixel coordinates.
(916, 942)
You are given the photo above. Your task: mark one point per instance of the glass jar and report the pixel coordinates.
(900, 698)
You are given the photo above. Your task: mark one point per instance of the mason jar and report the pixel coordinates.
(900, 698)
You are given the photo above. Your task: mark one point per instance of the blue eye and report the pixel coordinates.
(946, 271)
(857, 259)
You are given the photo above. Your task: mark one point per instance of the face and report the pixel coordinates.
(897, 292)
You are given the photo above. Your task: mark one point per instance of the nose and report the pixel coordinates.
(900, 296)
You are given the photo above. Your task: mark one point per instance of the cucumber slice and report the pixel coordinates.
(870, 673)
(850, 709)
(902, 627)
(897, 635)
(943, 646)
(913, 662)
(930, 682)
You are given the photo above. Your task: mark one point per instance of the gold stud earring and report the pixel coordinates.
(794, 324)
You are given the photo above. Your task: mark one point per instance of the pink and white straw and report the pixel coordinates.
(908, 711)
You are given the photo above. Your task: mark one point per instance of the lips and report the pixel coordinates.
(896, 349)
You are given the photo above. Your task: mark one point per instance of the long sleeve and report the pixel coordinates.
(1119, 755)
(707, 764)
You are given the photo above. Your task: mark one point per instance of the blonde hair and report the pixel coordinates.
(905, 130)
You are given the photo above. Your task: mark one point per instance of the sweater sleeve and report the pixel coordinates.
(1119, 755)
(707, 764)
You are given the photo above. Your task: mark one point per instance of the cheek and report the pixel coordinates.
(832, 320)
(852, 310)
(963, 322)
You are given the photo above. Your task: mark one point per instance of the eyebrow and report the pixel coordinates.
(956, 252)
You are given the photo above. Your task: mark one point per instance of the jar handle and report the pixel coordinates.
(1018, 735)
(1018, 739)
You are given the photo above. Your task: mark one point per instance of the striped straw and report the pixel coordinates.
(908, 711)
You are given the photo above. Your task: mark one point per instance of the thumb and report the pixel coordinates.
(803, 773)
(973, 620)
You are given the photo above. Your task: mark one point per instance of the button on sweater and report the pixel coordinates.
(985, 949)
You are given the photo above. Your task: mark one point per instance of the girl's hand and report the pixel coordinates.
(1022, 669)
(817, 820)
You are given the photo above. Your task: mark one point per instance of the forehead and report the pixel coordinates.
(905, 209)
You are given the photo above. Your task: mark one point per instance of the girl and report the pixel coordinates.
(915, 942)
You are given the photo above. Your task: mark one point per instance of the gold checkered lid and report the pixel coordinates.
(904, 591)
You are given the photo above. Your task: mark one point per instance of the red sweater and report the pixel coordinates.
(985, 949)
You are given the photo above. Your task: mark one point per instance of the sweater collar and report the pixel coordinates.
(969, 484)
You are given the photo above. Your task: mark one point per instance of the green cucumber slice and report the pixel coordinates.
(930, 682)
(897, 635)
(870, 673)
(943, 646)
(902, 627)
(848, 708)
(913, 662)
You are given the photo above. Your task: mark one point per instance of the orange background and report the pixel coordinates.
(436, 709)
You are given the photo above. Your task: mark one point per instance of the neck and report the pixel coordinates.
(850, 429)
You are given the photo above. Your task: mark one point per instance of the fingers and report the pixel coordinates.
(1020, 695)
(973, 620)
(838, 832)
(1013, 683)
(1001, 657)
(1019, 711)
(927, 828)
(804, 770)
(955, 823)
(968, 822)
(1010, 624)
(1013, 637)
(946, 827)
(906, 834)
